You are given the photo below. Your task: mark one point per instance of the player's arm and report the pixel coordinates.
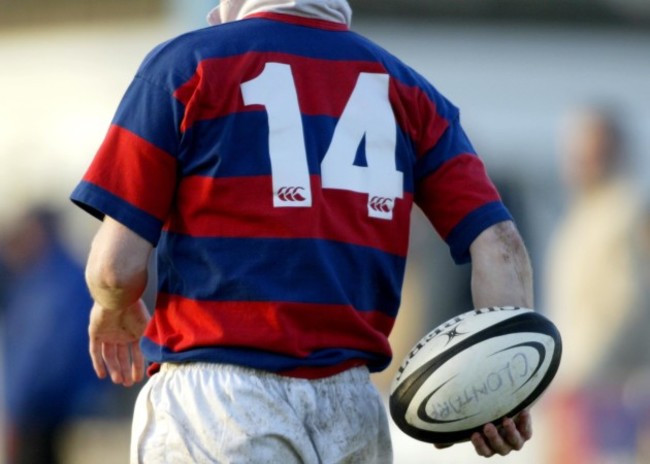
(502, 276)
(501, 270)
(116, 274)
(116, 271)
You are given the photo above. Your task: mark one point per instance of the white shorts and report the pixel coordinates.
(214, 413)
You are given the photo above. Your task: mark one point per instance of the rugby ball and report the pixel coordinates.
(476, 368)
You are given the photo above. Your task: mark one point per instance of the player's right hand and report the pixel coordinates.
(115, 342)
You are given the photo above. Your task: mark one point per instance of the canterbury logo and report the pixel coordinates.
(291, 194)
(381, 204)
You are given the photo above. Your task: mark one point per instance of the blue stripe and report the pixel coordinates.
(462, 236)
(99, 202)
(237, 146)
(262, 359)
(231, 146)
(290, 270)
(153, 114)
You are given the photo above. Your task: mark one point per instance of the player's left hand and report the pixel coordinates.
(511, 435)
(114, 342)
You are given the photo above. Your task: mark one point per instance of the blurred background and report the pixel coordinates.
(556, 98)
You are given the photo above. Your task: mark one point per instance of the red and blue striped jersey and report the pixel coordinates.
(274, 162)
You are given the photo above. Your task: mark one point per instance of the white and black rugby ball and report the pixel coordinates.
(476, 368)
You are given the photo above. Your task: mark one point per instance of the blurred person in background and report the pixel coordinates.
(596, 265)
(48, 378)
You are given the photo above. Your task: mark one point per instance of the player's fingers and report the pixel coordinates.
(124, 359)
(95, 349)
(137, 362)
(511, 435)
(495, 440)
(524, 424)
(481, 447)
(109, 353)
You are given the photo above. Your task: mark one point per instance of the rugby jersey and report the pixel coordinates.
(274, 162)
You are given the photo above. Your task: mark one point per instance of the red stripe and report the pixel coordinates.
(301, 21)
(121, 164)
(447, 196)
(417, 115)
(243, 207)
(293, 329)
(324, 86)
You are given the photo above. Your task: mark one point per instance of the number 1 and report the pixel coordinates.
(275, 89)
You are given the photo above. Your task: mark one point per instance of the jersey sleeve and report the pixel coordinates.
(454, 191)
(133, 175)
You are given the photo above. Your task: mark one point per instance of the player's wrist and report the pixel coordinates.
(116, 307)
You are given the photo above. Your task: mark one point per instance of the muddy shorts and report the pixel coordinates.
(213, 413)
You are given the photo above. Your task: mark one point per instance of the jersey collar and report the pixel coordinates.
(301, 21)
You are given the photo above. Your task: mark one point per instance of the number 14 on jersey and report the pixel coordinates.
(367, 115)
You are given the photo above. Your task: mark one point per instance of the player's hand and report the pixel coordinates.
(114, 342)
(510, 435)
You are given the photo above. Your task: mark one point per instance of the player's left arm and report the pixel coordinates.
(501, 270)
(116, 274)
(502, 276)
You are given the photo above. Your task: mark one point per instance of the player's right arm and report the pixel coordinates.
(116, 274)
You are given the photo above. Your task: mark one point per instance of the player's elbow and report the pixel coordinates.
(115, 282)
(114, 277)
(116, 273)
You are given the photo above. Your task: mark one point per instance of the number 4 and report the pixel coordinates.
(367, 117)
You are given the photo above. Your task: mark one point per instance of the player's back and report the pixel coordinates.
(282, 155)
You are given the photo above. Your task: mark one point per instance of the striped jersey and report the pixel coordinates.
(274, 162)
